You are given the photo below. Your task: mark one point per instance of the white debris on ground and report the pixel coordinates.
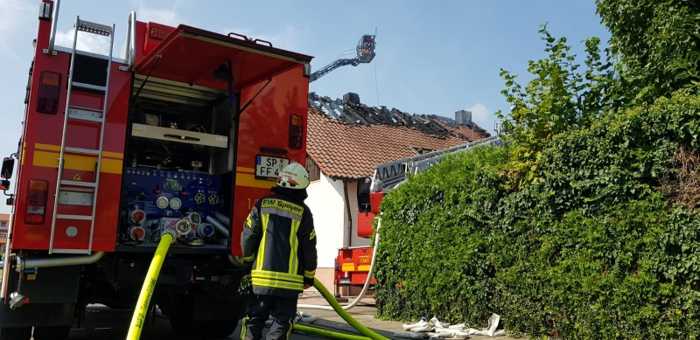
(437, 329)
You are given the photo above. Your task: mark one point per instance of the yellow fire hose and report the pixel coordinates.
(149, 284)
(325, 333)
(368, 333)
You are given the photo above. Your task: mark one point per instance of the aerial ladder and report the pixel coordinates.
(365, 54)
(391, 174)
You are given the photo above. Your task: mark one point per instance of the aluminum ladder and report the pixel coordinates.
(85, 114)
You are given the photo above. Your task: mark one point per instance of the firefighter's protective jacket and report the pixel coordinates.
(279, 239)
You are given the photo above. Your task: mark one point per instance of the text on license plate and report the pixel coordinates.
(269, 167)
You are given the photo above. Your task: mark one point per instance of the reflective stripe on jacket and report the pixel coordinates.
(279, 239)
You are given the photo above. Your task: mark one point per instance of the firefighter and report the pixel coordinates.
(279, 242)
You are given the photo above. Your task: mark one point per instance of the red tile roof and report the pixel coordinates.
(344, 150)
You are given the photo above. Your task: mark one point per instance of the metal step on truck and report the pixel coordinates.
(184, 133)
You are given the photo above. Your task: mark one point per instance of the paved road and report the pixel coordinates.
(106, 324)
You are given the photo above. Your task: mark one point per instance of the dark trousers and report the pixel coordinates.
(281, 310)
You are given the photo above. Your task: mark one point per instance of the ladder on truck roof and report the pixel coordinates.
(390, 174)
(86, 114)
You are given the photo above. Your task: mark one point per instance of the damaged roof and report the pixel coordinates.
(348, 139)
(349, 109)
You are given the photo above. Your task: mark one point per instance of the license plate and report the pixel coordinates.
(269, 167)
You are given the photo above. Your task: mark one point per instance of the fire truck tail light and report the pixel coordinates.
(49, 90)
(296, 132)
(36, 202)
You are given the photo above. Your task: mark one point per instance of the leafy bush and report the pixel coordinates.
(584, 225)
(588, 247)
(433, 257)
(657, 42)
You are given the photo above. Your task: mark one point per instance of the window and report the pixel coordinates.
(313, 169)
(363, 195)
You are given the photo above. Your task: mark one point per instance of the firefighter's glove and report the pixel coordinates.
(242, 263)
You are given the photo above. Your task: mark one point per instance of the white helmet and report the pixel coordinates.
(293, 176)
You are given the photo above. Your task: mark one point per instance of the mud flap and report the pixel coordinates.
(51, 295)
(42, 314)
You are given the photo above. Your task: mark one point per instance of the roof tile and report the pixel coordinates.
(345, 150)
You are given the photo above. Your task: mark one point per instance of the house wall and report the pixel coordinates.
(327, 203)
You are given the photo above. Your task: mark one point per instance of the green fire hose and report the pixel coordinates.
(368, 333)
(325, 333)
(149, 284)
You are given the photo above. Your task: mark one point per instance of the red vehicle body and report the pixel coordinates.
(261, 93)
(352, 264)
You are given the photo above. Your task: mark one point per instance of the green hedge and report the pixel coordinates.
(589, 248)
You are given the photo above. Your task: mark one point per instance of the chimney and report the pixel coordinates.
(351, 98)
(463, 117)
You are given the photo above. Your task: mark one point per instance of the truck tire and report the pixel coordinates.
(15, 333)
(51, 333)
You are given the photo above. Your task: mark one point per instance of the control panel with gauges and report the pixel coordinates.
(189, 202)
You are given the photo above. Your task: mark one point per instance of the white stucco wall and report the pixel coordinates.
(327, 203)
(328, 208)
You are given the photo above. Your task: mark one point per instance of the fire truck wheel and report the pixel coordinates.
(18, 333)
(51, 333)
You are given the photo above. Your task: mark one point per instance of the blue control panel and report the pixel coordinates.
(189, 202)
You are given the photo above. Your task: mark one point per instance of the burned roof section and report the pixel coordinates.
(351, 110)
(348, 139)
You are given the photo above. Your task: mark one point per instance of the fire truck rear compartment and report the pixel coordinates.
(181, 137)
(178, 165)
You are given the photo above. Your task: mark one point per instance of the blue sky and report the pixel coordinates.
(432, 56)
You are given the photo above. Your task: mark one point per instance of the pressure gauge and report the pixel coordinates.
(175, 203)
(162, 202)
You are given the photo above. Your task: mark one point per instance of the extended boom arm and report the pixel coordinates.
(365, 54)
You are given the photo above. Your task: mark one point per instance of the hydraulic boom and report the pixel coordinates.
(365, 54)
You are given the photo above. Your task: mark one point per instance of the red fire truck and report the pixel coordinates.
(185, 132)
